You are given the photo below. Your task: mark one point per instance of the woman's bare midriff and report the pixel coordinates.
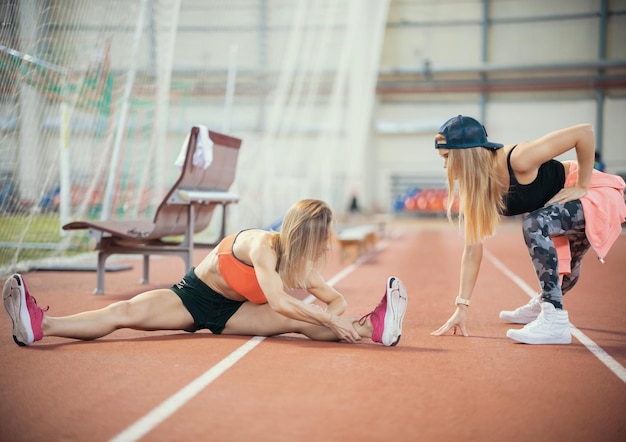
(209, 272)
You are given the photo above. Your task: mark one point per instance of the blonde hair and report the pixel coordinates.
(480, 195)
(304, 237)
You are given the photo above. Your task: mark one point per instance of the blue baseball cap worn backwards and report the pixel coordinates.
(463, 132)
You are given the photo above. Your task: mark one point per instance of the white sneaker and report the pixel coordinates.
(550, 327)
(524, 314)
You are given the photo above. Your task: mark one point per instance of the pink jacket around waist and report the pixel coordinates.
(604, 209)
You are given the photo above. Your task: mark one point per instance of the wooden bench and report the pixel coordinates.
(186, 209)
(356, 241)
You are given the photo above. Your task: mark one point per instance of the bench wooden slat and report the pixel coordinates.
(186, 196)
(355, 241)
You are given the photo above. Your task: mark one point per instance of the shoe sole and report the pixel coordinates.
(396, 308)
(512, 334)
(14, 298)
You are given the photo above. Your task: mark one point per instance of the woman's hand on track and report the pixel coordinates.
(457, 321)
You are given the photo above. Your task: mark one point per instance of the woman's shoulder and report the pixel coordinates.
(256, 235)
(528, 157)
(256, 242)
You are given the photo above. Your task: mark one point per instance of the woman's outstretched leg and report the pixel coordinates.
(383, 324)
(260, 320)
(153, 310)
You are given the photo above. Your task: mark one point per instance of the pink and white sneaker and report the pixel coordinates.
(23, 310)
(388, 315)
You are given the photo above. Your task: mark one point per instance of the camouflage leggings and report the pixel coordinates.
(542, 224)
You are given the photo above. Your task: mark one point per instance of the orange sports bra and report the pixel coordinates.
(240, 276)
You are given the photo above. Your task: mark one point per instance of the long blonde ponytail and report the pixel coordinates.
(480, 195)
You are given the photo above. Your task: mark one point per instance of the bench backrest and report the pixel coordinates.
(171, 219)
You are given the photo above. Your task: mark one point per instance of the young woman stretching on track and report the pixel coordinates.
(566, 206)
(238, 289)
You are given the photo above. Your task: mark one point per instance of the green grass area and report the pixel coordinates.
(35, 236)
(39, 228)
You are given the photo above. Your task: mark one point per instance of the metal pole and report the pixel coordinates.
(121, 125)
(599, 126)
(65, 205)
(484, 46)
(230, 88)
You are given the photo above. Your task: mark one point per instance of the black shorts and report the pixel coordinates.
(208, 308)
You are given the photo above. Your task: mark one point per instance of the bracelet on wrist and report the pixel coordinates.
(461, 301)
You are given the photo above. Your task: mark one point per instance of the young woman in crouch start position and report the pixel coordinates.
(565, 206)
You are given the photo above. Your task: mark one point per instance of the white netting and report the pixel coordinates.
(96, 99)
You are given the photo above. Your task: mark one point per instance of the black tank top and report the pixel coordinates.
(522, 198)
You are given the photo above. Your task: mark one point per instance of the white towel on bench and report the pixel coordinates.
(203, 155)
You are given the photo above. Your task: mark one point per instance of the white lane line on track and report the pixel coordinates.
(174, 402)
(159, 414)
(594, 348)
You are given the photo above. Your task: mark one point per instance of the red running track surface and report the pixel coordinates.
(169, 386)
